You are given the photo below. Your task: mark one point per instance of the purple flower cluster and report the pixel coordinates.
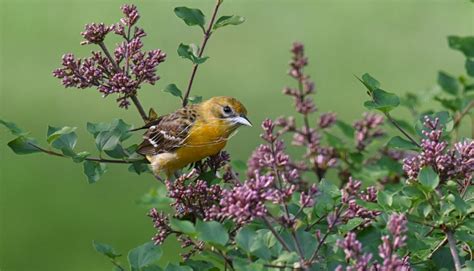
(367, 129)
(161, 224)
(246, 202)
(397, 226)
(124, 72)
(359, 261)
(193, 198)
(350, 193)
(304, 103)
(327, 120)
(456, 163)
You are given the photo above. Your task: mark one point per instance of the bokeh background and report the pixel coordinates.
(49, 215)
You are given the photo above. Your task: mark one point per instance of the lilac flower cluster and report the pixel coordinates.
(304, 103)
(350, 193)
(456, 163)
(193, 198)
(397, 226)
(246, 202)
(124, 72)
(353, 250)
(359, 261)
(161, 224)
(272, 156)
(367, 129)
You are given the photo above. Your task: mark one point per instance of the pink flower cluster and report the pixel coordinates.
(456, 163)
(350, 193)
(124, 72)
(359, 261)
(367, 129)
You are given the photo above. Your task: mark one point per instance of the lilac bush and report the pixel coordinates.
(318, 193)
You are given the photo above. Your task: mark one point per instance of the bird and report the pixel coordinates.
(191, 133)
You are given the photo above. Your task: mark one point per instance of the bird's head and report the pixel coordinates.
(228, 109)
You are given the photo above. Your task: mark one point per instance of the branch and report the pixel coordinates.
(275, 233)
(101, 160)
(452, 247)
(440, 245)
(394, 122)
(458, 118)
(330, 226)
(207, 35)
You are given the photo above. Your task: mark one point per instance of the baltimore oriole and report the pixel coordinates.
(191, 133)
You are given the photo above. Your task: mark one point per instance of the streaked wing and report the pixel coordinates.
(168, 133)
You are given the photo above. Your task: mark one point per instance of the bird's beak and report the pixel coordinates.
(243, 120)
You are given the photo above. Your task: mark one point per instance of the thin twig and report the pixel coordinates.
(452, 247)
(440, 245)
(460, 116)
(395, 123)
(114, 262)
(330, 227)
(101, 160)
(207, 35)
(275, 233)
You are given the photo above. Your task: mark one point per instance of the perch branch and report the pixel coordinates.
(101, 160)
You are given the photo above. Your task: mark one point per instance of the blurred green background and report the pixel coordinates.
(49, 215)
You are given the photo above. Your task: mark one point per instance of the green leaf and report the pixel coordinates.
(94, 170)
(245, 238)
(190, 16)
(195, 99)
(62, 138)
(334, 141)
(370, 82)
(382, 101)
(173, 90)
(108, 140)
(57, 134)
(351, 224)
(117, 152)
(469, 67)
(14, 129)
(346, 129)
(401, 143)
(183, 226)
(448, 83)
(139, 167)
(428, 178)
(174, 267)
(23, 145)
(198, 265)
(105, 249)
(80, 157)
(228, 20)
(116, 124)
(463, 44)
(151, 267)
(328, 188)
(143, 256)
(384, 199)
(212, 231)
(191, 52)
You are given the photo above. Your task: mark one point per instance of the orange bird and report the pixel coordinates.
(191, 133)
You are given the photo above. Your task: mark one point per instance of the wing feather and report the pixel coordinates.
(168, 133)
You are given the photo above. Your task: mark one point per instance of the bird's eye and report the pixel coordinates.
(227, 109)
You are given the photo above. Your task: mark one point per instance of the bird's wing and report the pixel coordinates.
(169, 132)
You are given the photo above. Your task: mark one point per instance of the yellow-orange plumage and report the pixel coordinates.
(192, 133)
